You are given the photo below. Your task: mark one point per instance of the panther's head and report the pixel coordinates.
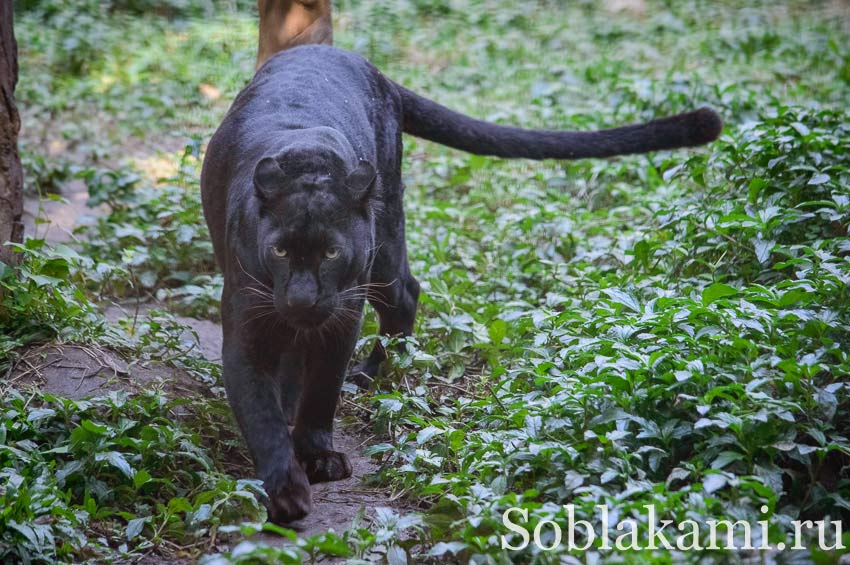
(315, 232)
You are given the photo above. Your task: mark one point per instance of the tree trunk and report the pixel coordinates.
(287, 23)
(11, 176)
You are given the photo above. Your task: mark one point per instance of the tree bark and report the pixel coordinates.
(287, 23)
(11, 175)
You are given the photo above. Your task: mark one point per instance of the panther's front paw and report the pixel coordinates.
(289, 495)
(326, 466)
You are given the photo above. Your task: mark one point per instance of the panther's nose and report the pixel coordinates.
(300, 303)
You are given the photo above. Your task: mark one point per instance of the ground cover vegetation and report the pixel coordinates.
(671, 329)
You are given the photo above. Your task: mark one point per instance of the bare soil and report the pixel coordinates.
(82, 371)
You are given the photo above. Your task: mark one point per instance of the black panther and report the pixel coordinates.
(302, 193)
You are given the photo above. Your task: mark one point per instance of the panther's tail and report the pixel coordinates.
(429, 120)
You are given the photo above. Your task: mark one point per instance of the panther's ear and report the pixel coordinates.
(269, 178)
(361, 180)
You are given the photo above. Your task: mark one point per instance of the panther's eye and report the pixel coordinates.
(279, 251)
(332, 253)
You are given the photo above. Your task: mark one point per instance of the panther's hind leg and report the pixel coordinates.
(394, 294)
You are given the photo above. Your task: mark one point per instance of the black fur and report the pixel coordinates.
(302, 193)
(427, 119)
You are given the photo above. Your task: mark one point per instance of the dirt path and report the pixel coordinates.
(63, 217)
(77, 372)
(335, 505)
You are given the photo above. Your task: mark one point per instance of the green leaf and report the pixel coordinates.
(497, 330)
(141, 478)
(442, 548)
(179, 505)
(819, 179)
(623, 297)
(802, 129)
(117, 460)
(93, 428)
(717, 291)
(426, 434)
(725, 458)
(42, 280)
(135, 527)
(278, 530)
(396, 555)
(332, 545)
(713, 483)
(40, 414)
(26, 531)
(763, 250)
(378, 448)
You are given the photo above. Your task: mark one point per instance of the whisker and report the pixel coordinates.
(374, 298)
(263, 307)
(348, 311)
(257, 292)
(366, 290)
(357, 289)
(374, 251)
(378, 285)
(348, 316)
(370, 285)
(263, 285)
(258, 317)
(262, 300)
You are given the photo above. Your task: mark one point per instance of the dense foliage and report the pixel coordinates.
(670, 329)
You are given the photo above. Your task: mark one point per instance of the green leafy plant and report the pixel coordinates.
(157, 233)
